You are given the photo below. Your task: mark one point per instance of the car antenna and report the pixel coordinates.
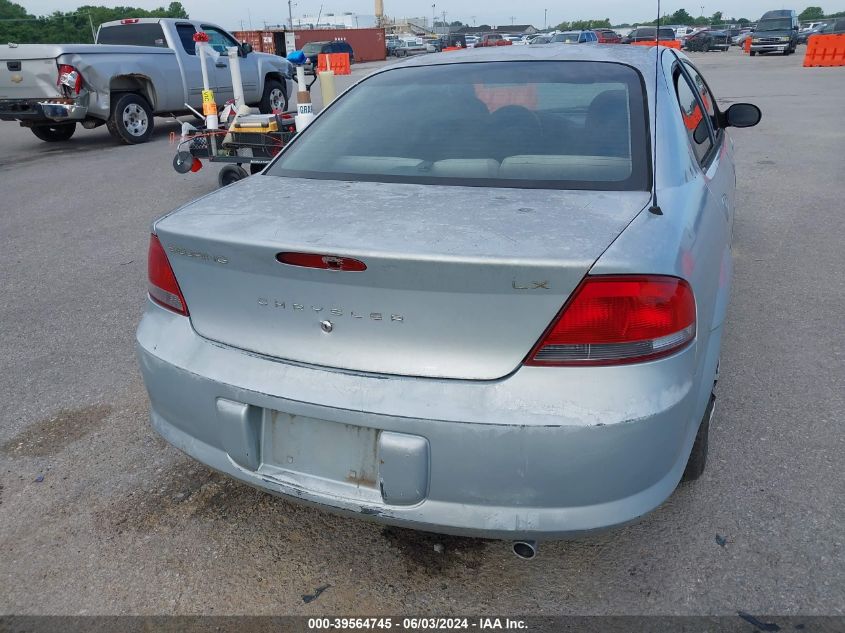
(655, 208)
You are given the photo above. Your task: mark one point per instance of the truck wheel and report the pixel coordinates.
(230, 174)
(752, 53)
(131, 119)
(275, 98)
(698, 456)
(54, 133)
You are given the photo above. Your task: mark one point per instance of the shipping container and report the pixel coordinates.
(368, 44)
(263, 41)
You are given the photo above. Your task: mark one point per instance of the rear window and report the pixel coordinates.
(549, 124)
(142, 34)
(313, 48)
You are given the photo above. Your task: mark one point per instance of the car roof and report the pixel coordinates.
(640, 57)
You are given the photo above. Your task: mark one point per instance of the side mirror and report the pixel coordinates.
(742, 115)
(246, 48)
(795, 28)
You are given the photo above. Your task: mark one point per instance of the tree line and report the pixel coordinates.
(70, 27)
(683, 17)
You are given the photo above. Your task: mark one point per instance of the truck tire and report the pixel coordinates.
(752, 53)
(275, 97)
(131, 119)
(231, 174)
(54, 133)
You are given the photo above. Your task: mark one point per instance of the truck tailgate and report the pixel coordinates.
(27, 73)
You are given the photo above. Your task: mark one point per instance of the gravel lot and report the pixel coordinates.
(123, 523)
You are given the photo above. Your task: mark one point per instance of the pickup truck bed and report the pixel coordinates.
(52, 87)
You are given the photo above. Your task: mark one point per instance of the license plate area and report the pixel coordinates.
(321, 456)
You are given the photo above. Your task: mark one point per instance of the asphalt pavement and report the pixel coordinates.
(100, 516)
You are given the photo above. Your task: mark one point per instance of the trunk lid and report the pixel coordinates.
(460, 281)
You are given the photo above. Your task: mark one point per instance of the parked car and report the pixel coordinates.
(575, 37)
(471, 41)
(313, 49)
(390, 47)
(492, 39)
(776, 32)
(539, 364)
(682, 31)
(139, 68)
(834, 27)
(453, 40)
(607, 36)
(739, 40)
(646, 34)
(803, 36)
(410, 47)
(541, 39)
(707, 40)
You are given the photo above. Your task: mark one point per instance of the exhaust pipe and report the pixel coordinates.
(525, 550)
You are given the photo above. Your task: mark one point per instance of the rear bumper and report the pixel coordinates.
(41, 110)
(520, 457)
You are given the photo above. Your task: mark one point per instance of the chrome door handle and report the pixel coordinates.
(220, 64)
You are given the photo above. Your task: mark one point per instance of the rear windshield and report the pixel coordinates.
(566, 37)
(142, 34)
(313, 48)
(549, 124)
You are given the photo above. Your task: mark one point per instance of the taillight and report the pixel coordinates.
(326, 262)
(70, 77)
(130, 21)
(617, 319)
(163, 287)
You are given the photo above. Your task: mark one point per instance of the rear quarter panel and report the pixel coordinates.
(104, 72)
(691, 240)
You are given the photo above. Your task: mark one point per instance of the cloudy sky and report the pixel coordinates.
(499, 12)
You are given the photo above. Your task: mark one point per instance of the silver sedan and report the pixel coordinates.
(493, 306)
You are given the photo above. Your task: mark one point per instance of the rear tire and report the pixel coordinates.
(231, 174)
(54, 133)
(275, 97)
(131, 119)
(752, 53)
(698, 456)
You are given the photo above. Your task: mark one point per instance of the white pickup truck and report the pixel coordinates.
(139, 68)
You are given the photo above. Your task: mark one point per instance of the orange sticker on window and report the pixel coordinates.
(495, 97)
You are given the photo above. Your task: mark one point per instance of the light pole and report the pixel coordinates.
(433, 18)
(290, 13)
(545, 19)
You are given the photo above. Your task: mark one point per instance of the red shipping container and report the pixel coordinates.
(261, 41)
(367, 44)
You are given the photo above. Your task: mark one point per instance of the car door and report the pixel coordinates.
(221, 41)
(712, 229)
(720, 168)
(191, 65)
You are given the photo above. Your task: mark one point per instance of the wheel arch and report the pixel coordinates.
(139, 84)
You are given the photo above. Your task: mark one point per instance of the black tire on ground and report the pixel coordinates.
(698, 456)
(275, 97)
(131, 119)
(54, 133)
(752, 53)
(231, 174)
